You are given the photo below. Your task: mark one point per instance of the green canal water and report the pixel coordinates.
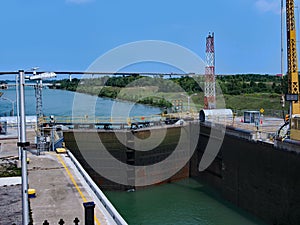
(184, 202)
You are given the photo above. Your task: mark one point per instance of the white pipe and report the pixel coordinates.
(25, 206)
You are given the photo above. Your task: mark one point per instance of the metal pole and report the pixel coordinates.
(13, 108)
(189, 103)
(23, 144)
(282, 38)
(290, 119)
(282, 56)
(18, 114)
(52, 137)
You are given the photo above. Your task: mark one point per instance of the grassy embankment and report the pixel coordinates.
(241, 92)
(151, 96)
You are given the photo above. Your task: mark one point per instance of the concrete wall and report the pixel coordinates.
(120, 144)
(89, 140)
(255, 176)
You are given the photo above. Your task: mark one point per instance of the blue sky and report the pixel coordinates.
(71, 34)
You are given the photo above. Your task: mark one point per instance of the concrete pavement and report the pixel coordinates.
(60, 188)
(60, 191)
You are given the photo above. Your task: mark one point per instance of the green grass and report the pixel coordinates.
(254, 101)
(9, 170)
(151, 95)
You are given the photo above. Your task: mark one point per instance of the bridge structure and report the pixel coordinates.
(30, 84)
(110, 73)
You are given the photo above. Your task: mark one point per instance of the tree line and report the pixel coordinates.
(252, 83)
(229, 84)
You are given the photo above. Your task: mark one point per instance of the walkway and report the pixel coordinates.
(60, 191)
(60, 188)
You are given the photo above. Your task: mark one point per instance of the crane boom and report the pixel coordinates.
(292, 60)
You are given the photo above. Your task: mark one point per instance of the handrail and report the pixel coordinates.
(99, 119)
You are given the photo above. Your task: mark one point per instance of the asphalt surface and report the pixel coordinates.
(10, 205)
(10, 189)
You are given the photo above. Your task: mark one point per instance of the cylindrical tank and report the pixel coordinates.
(215, 115)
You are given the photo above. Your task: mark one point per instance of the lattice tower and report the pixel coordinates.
(210, 82)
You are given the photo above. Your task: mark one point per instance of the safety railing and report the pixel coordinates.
(95, 120)
(267, 112)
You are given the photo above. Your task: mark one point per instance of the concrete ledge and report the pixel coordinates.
(7, 181)
(8, 136)
(288, 145)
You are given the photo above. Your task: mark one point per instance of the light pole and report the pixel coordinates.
(23, 144)
(189, 98)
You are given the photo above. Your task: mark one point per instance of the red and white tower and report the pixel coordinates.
(210, 83)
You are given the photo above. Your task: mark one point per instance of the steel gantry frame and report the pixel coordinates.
(292, 60)
(292, 71)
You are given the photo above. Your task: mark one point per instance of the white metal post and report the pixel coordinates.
(282, 39)
(18, 114)
(23, 144)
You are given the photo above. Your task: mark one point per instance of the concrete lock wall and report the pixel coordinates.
(255, 176)
(120, 145)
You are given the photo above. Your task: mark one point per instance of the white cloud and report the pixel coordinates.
(268, 6)
(78, 1)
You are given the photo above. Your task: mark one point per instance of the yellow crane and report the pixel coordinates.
(292, 72)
